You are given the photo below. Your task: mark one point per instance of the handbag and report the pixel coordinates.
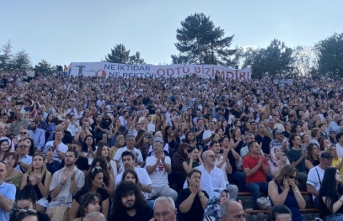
(264, 203)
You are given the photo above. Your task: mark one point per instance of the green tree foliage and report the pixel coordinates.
(44, 67)
(274, 60)
(21, 61)
(119, 54)
(330, 56)
(6, 56)
(200, 42)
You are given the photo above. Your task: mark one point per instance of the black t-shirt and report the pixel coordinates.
(142, 215)
(195, 213)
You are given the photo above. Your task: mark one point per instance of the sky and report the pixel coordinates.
(64, 31)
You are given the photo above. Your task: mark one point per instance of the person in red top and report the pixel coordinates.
(256, 169)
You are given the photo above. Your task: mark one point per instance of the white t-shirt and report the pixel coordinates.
(339, 150)
(117, 156)
(143, 177)
(315, 178)
(159, 177)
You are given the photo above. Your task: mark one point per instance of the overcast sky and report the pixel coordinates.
(64, 31)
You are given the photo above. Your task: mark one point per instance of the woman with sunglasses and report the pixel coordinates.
(108, 183)
(331, 195)
(91, 202)
(26, 200)
(284, 191)
(93, 183)
(38, 177)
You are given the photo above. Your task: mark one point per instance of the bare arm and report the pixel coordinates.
(275, 196)
(6, 204)
(312, 190)
(336, 205)
(73, 210)
(186, 205)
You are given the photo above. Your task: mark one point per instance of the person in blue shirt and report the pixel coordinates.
(38, 135)
(7, 194)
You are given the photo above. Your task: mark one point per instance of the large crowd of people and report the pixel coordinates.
(86, 148)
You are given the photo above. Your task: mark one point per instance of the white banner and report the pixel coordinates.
(106, 69)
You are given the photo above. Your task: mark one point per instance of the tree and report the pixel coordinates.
(330, 56)
(136, 59)
(274, 60)
(119, 54)
(44, 67)
(200, 42)
(21, 61)
(6, 56)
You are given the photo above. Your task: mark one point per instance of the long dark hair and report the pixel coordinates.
(131, 171)
(91, 176)
(32, 147)
(84, 145)
(9, 146)
(328, 188)
(87, 199)
(123, 189)
(103, 165)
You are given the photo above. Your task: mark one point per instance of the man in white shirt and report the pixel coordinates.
(211, 176)
(158, 168)
(130, 142)
(128, 159)
(315, 177)
(59, 147)
(222, 162)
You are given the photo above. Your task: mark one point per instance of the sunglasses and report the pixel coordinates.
(293, 177)
(96, 168)
(28, 211)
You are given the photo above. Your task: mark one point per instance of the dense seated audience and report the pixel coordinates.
(67, 137)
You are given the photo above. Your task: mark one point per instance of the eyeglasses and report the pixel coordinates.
(23, 133)
(293, 177)
(164, 214)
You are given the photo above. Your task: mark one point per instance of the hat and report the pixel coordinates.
(326, 155)
(278, 132)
